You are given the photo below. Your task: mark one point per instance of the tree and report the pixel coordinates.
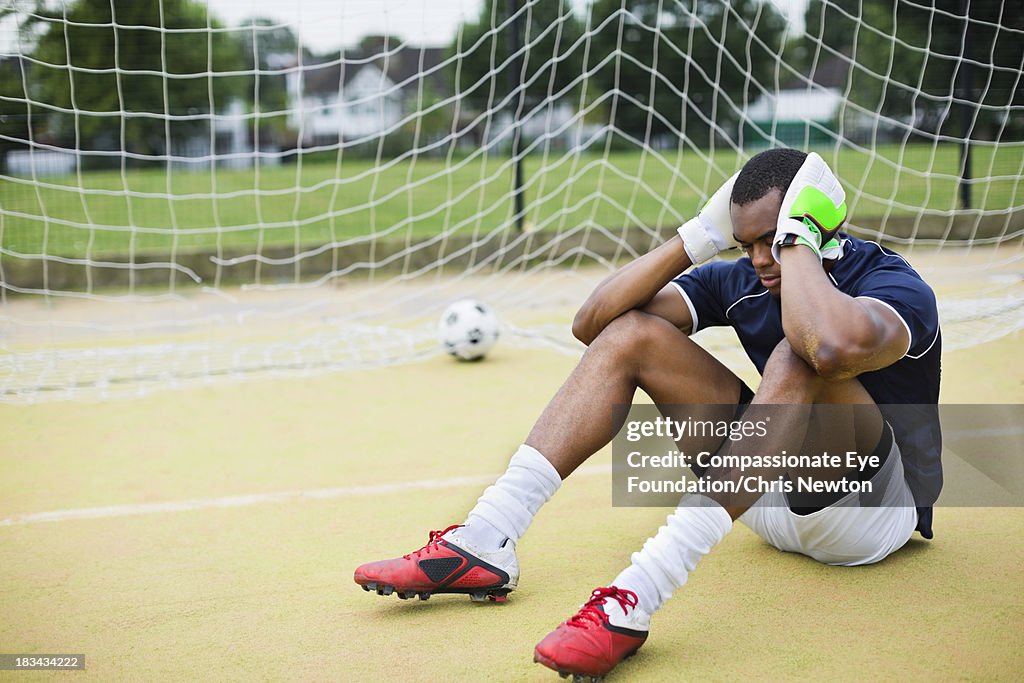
(376, 44)
(703, 57)
(267, 48)
(433, 119)
(18, 121)
(14, 113)
(551, 56)
(270, 39)
(102, 71)
(909, 60)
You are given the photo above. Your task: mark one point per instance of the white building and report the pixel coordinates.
(357, 97)
(360, 97)
(813, 111)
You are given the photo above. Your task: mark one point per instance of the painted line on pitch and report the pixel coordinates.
(263, 498)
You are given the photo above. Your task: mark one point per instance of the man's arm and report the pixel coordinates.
(839, 336)
(644, 282)
(638, 284)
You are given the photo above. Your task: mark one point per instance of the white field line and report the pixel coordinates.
(264, 498)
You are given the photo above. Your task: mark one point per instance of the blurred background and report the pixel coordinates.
(228, 230)
(185, 164)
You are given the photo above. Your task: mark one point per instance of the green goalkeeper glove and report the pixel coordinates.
(813, 211)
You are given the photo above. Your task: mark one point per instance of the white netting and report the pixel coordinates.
(186, 197)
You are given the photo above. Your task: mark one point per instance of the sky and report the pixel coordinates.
(327, 25)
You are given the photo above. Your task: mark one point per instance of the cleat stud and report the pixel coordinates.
(380, 590)
(388, 590)
(498, 598)
(372, 586)
(405, 595)
(577, 678)
(563, 674)
(366, 588)
(479, 596)
(424, 596)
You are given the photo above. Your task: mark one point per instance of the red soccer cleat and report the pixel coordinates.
(607, 629)
(446, 564)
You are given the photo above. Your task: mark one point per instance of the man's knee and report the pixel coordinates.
(641, 341)
(788, 378)
(631, 334)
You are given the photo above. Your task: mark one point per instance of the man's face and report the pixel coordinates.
(754, 228)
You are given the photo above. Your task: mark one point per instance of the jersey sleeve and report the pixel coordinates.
(701, 289)
(910, 298)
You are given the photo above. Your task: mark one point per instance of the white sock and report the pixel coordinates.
(506, 508)
(670, 555)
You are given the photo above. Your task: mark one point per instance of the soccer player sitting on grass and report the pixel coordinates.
(850, 324)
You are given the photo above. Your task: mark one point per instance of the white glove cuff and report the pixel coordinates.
(698, 241)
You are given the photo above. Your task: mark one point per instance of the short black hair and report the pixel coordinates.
(772, 169)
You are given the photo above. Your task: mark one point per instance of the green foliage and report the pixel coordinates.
(263, 45)
(101, 70)
(16, 120)
(14, 115)
(434, 119)
(909, 61)
(704, 55)
(551, 61)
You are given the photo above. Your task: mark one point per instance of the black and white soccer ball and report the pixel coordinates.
(468, 329)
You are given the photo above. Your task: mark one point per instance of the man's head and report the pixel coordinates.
(773, 169)
(756, 201)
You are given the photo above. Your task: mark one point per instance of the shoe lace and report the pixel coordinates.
(590, 616)
(433, 540)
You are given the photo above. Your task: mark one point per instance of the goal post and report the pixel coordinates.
(186, 196)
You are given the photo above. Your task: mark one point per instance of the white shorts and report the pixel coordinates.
(844, 533)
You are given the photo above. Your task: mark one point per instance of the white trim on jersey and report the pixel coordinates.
(689, 305)
(934, 339)
(884, 253)
(937, 329)
(748, 296)
(910, 336)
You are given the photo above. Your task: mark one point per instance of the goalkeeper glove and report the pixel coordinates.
(711, 230)
(813, 211)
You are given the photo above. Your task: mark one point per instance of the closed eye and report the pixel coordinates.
(765, 239)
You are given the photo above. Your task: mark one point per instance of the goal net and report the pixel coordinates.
(192, 196)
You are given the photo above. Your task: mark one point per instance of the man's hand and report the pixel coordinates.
(813, 210)
(711, 231)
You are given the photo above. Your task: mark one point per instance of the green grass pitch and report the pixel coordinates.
(319, 202)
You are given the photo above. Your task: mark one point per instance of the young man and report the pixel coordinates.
(850, 324)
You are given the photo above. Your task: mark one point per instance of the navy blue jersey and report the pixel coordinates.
(730, 294)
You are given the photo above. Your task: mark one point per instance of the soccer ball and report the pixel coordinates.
(468, 329)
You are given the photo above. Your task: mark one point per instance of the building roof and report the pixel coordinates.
(803, 98)
(830, 71)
